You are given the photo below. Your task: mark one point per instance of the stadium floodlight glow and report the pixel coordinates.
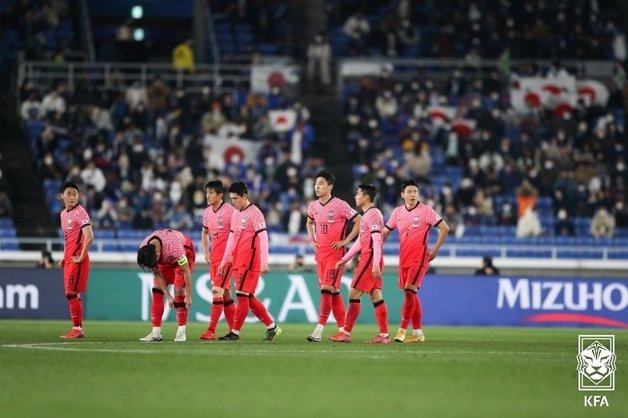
(137, 12)
(138, 34)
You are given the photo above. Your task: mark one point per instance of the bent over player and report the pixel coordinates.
(170, 255)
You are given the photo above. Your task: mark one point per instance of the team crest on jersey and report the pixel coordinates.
(330, 216)
(242, 223)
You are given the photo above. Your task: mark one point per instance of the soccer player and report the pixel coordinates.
(170, 255)
(327, 220)
(413, 221)
(247, 250)
(78, 238)
(215, 231)
(368, 274)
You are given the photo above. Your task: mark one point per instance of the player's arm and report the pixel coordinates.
(263, 243)
(386, 232)
(309, 225)
(355, 248)
(226, 259)
(443, 232)
(187, 278)
(88, 240)
(205, 238)
(376, 236)
(354, 233)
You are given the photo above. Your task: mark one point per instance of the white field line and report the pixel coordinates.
(216, 349)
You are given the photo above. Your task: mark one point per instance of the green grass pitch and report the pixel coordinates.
(458, 372)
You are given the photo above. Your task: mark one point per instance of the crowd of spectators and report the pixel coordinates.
(42, 29)
(578, 29)
(143, 154)
(540, 170)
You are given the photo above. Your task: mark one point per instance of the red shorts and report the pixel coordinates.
(411, 275)
(172, 273)
(75, 275)
(246, 280)
(363, 279)
(327, 273)
(220, 280)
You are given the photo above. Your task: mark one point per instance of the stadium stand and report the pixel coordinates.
(518, 179)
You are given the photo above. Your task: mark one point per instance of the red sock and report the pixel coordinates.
(417, 318)
(259, 310)
(241, 312)
(230, 312)
(408, 307)
(381, 316)
(75, 309)
(325, 308)
(182, 311)
(157, 310)
(216, 311)
(80, 311)
(338, 308)
(352, 314)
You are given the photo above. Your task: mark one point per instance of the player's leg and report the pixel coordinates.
(337, 304)
(242, 309)
(257, 307)
(218, 291)
(158, 305)
(71, 278)
(352, 315)
(327, 290)
(381, 314)
(417, 316)
(180, 292)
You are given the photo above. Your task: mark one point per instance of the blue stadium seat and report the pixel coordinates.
(478, 252)
(104, 233)
(529, 253)
(111, 247)
(7, 232)
(6, 222)
(9, 244)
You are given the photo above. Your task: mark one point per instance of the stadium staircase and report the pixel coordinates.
(330, 144)
(30, 213)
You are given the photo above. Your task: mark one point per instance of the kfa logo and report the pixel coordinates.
(596, 367)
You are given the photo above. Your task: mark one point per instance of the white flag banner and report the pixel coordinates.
(262, 76)
(282, 120)
(444, 113)
(246, 149)
(594, 92)
(532, 93)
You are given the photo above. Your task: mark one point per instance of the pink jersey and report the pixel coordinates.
(246, 224)
(372, 223)
(218, 224)
(172, 246)
(413, 227)
(72, 223)
(330, 223)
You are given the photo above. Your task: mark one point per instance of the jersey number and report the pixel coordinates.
(324, 228)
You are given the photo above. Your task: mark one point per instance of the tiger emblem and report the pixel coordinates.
(596, 362)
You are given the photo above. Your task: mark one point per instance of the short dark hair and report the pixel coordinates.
(409, 182)
(369, 190)
(68, 185)
(215, 185)
(147, 257)
(239, 188)
(327, 175)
